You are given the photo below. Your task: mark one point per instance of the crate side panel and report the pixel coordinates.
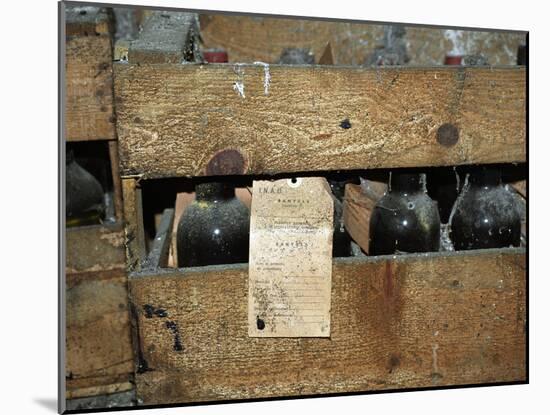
(395, 323)
(188, 120)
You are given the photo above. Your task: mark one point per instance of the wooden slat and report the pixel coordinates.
(357, 209)
(133, 229)
(98, 346)
(101, 385)
(117, 184)
(89, 89)
(180, 120)
(166, 37)
(396, 322)
(87, 21)
(94, 248)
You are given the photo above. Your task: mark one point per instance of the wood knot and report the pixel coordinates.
(226, 162)
(447, 135)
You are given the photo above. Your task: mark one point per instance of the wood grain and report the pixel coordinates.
(174, 119)
(255, 38)
(94, 248)
(357, 210)
(98, 342)
(117, 184)
(89, 89)
(133, 229)
(166, 37)
(396, 322)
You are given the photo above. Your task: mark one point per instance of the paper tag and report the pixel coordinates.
(290, 261)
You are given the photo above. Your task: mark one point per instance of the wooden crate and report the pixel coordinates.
(98, 343)
(89, 110)
(397, 322)
(99, 357)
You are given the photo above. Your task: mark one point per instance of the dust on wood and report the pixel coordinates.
(89, 89)
(94, 248)
(166, 37)
(396, 322)
(87, 21)
(98, 346)
(173, 119)
(133, 229)
(357, 209)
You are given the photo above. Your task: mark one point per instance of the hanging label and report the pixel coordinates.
(290, 261)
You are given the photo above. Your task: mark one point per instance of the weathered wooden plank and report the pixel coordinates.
(254, 38)
(133, 229)
(117, 184)
(87, 21)
(180, 120)
(99, 385)
(94, 248)
(98, 343)
(396, 322)
(357, 209)
(89, 88)
(166, 37)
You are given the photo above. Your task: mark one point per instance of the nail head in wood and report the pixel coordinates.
(226, 162)
(447, 135)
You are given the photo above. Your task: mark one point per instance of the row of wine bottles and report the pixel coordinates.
(214, 229)
(406, 219)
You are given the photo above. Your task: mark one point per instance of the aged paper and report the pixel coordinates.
(290, 262)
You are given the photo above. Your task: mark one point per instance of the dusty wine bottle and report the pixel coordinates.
(485, 214)
(405, 219)
(84, 202)
(214, 229)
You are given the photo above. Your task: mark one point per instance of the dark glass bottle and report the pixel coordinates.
(214, 229)
(485, 213)
(405, 219)
(84, 202)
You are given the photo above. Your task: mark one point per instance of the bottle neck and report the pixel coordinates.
(485, 177)
(214, 191)
(407, 182)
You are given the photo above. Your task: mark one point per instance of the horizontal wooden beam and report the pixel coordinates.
(396, 322)
(181, 120)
